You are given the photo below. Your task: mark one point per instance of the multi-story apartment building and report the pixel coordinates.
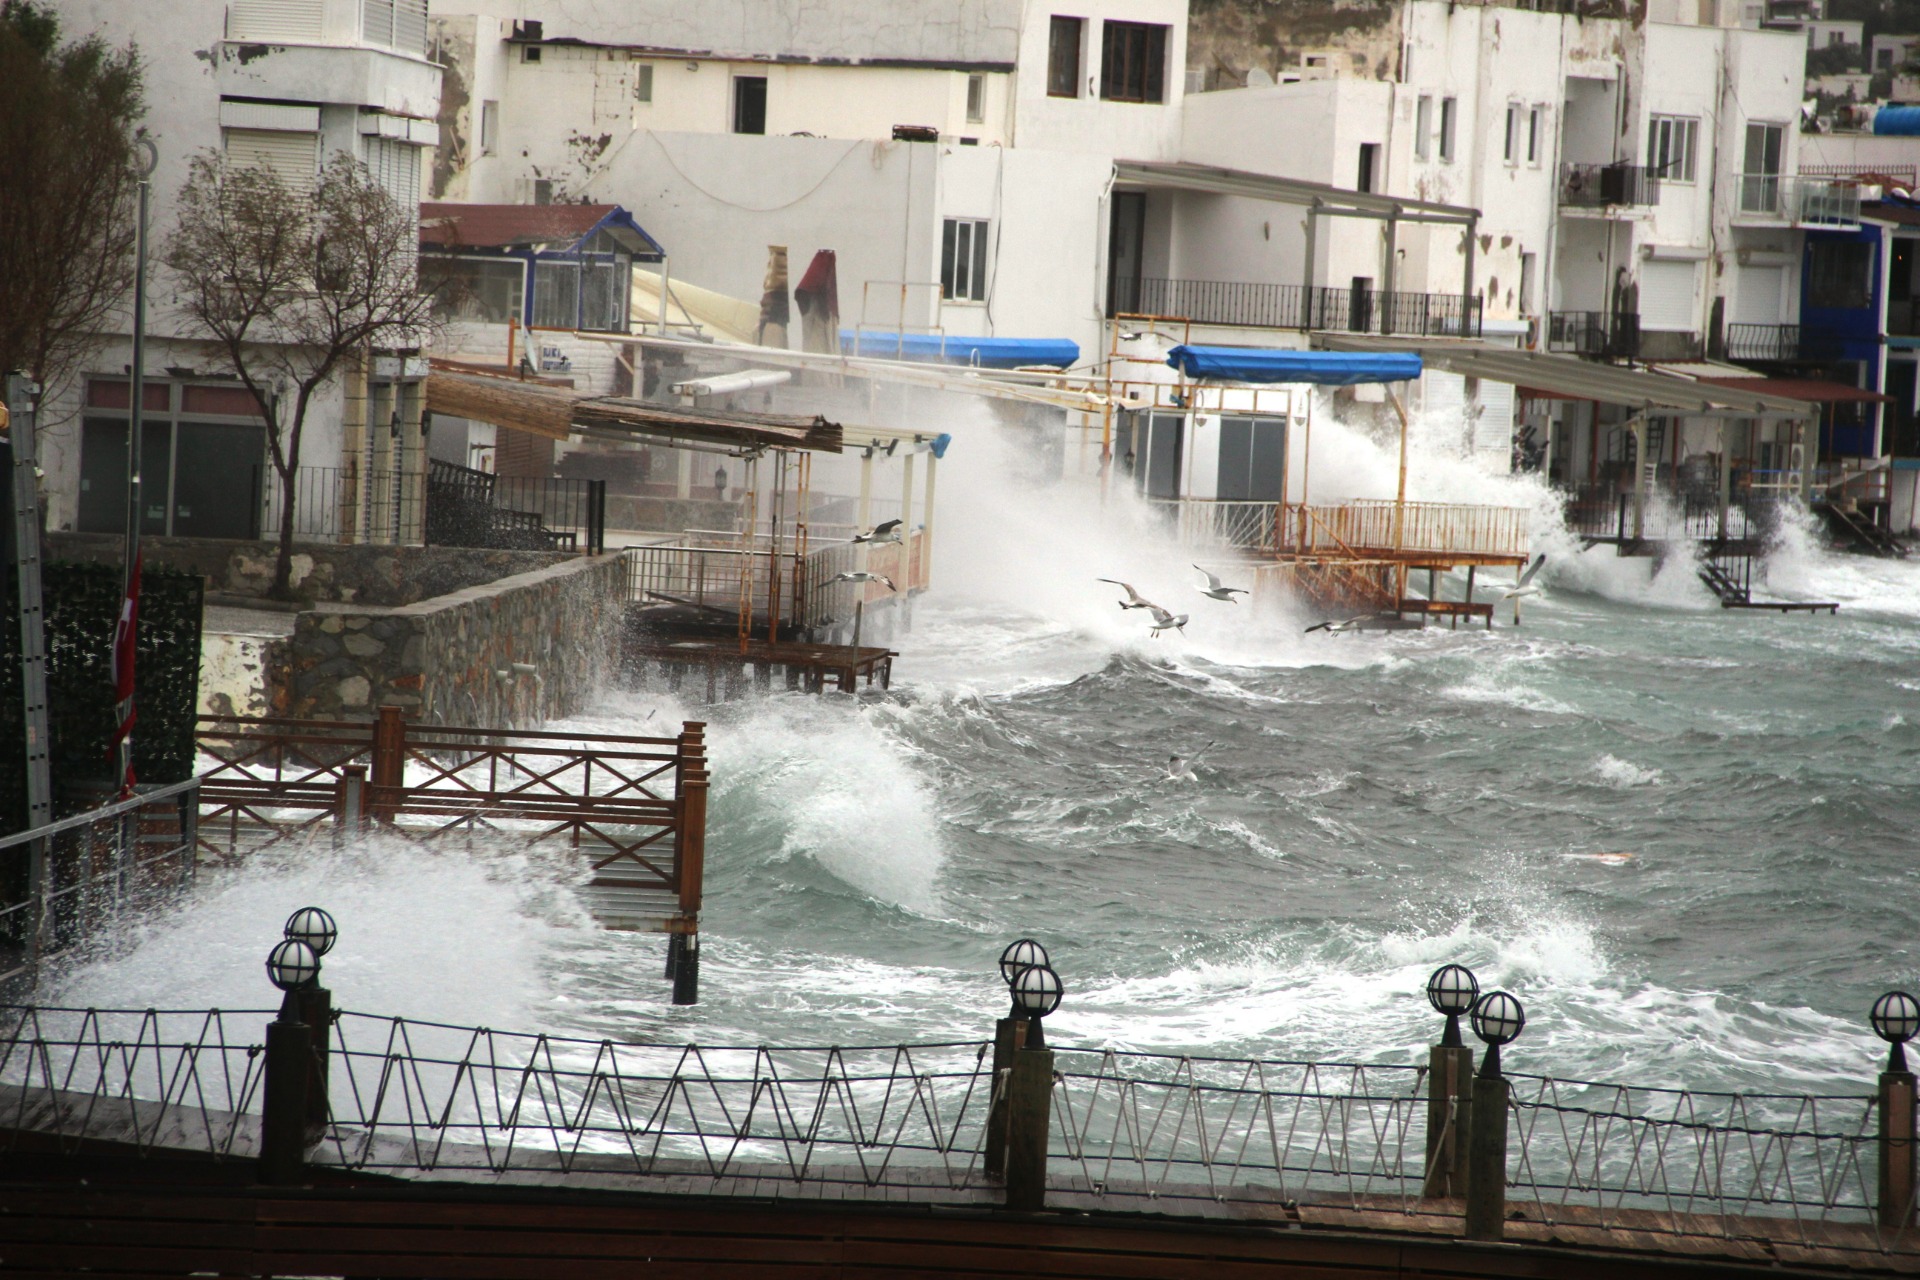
(287, 84)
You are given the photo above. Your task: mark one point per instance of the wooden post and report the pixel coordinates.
(1029, 1096)
(1487, 1157)
(1896, 1150)
(686, 971)
(350, 804)
(389, 765)
(1449, 1100)
(283, 1111)
(316, 1010)
(1009, 1036)
(690, 849)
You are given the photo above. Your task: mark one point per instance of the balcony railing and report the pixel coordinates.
(1594, 334)
(1803, 201)
(1601, 186)
(1292, 306)
(1782, 342)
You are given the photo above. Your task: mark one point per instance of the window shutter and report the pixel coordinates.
(1758, 299)
(297, 20)
(1666, 296)
(292, 157)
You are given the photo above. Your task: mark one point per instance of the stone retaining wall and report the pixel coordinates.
(322, 571)
(512, 653)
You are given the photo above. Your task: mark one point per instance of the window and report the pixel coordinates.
(292, 157)
(1529, 270)
(749, 104)
(1670, 147)
(1369, 161)
(1447, 113)
(529, 53)
(489, 126)
(1510, 151)
(395, 165)
(1423, 127)
(976, 99)
(556, 295)
(643, 82)
(481, 290)
(963, 260)
(1253, 459)
(1883, 59)
(1760, 177)
(1133, 62)
(1063, 57)
(1839, 273)
(199, 479)
(1536, 134)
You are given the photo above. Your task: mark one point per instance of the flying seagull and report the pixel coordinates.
(1214, 591)
(1134, 599)
(1164, 621)
(1525, 587)
(1180, 768)
(1332, 627)
(861, 575)
(885, 531)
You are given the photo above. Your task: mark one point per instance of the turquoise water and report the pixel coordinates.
(1684, 837)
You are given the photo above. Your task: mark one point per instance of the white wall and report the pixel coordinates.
(1087, 124)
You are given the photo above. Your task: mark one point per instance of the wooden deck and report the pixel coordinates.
(731, 667)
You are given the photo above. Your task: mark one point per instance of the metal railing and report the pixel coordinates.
(1598, 334)
(1370, 527)
(1600, 186)
(1127, 1131)
(1213, 523)
(1906, 174)
(1783, 342)
(471, 508)
(69, 880)
(1292, 306)
(342, 504)
(1803, 201)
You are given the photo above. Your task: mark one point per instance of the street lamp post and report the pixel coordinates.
(1896, 1018)
(1009, 1035)
(1451, 991)
(313, 1005)
(1037, 989)
(291, 966)
(1498, 1019)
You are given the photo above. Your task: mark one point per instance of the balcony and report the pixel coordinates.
(1607, 186)
(1903, 317)
(1292, 306)
(1801, 201)
(1594, 334)
(1763, 342)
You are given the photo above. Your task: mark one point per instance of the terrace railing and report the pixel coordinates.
(1601, 186)
(1128, 1131)
(744, 578)
(1219, 524)
(1292, 306)
(1374, 527)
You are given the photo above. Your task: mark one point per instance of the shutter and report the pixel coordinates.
(395, 166)
(410, 27)
(1758, 298)
(376, 22)
(1666, 296)
(292, 157)
(297, 20)
(1443, 408)
(1493, 430)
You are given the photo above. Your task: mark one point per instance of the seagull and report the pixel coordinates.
(861, 575)
(1164, 621)
(1524, 586)
(1134, 599)
(1331, 627)
(885, 531)
(1180, 768)
(1214, 591)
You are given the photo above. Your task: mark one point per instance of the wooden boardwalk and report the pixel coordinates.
(729, 666)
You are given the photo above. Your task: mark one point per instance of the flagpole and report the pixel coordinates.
(130, 577)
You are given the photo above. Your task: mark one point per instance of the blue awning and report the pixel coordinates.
(979, 353)
(1326, 368)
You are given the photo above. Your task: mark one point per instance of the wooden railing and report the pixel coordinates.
(1372, 528)
(634, 806)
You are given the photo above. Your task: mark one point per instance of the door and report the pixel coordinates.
(1360, 305)
(103, 477)
(1128, 228)
(218, 473)
(1253, 459)
(749, 104)
(1157, 468)
(1760, 176)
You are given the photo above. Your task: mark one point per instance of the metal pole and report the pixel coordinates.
(135, 426)
(22, 395)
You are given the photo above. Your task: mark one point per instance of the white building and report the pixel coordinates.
(287, 84)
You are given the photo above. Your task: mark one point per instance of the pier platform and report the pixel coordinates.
(729, 665)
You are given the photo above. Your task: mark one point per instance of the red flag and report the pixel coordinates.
(124, 633)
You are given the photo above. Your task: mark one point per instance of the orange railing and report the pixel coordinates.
(1372, 527)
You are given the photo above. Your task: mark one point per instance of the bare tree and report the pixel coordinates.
(69, 122)
(296, 288)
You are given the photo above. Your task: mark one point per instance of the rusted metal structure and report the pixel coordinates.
(632, 808)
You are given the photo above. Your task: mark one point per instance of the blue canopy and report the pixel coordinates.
(980, 353)
(1327, 368)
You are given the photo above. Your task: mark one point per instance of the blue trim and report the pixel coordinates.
(979, 353)
(1322, 368)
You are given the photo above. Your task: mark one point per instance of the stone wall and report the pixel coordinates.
(512, 653)
(322, 571)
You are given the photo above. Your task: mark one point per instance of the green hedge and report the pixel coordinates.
(81, 602)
